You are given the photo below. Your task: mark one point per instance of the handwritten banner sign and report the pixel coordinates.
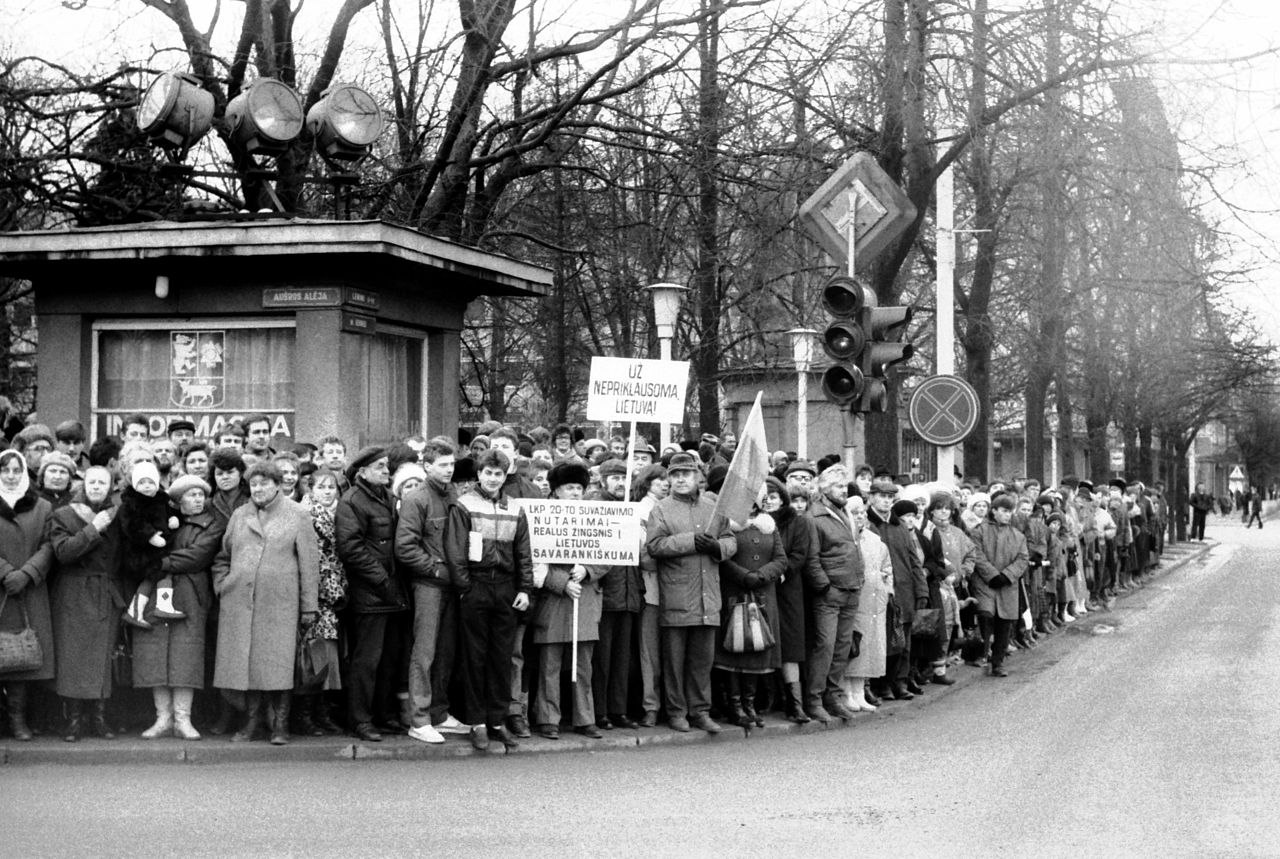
(584, 532)
(635, 389)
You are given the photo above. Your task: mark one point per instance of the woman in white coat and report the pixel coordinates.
(873, 601)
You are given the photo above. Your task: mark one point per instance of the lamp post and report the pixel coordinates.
(802, 354)
(666, 309)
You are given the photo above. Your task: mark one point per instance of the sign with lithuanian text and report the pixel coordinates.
(583, 532)
(635, 389)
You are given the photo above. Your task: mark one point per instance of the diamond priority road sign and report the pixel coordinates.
(882, 211)
(944, 410)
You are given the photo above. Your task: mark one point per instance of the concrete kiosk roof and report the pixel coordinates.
(32, 253)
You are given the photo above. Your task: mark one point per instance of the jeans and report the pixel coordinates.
(833, 623)
(435, 634)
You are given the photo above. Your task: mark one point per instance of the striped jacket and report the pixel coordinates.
(504, 535)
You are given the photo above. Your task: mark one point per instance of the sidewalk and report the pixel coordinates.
(219, 750)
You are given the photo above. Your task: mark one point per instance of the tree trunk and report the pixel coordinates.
(706, 355)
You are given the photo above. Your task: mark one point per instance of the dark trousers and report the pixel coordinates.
(488, 634)
(687, 654)
(1197, 523)
(1256, 516)
(376, 668)
(611, 663)
(1002, 629)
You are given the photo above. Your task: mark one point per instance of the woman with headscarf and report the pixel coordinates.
(169, 657)
(795, 531)
(56, 478)
(266, 577)
(25, 560)
(87, 595)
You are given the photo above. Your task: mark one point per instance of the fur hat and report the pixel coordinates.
(55, 457)
(716, 476)
(773, 484)
(564, 473)
(979, 498)
(184, 484)
(366, 456)
(35, 432)
(1003, 501)
(1119, 483)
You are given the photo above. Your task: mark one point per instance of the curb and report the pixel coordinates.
(132, 750)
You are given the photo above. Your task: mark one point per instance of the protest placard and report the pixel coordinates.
(636, 389)
(583, 532)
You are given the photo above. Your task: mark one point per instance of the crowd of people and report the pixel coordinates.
(303, 589)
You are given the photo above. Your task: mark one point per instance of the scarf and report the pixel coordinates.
(24, 482)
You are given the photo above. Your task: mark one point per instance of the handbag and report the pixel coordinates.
(748, 630)
(122, 660)
(925, 624)
(19, 651)
(311, 668)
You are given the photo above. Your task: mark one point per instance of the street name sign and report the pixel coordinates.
(637, 389)
(881, 213)
(944, 410)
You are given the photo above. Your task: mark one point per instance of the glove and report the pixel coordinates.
(706, 544)
(999, 580)
(922, 602)
(754, 581)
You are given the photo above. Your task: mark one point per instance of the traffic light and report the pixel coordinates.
(847, 299)
(883, 329)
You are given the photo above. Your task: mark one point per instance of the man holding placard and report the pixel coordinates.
(687, 546)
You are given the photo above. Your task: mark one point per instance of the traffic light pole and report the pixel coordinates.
(851, 420)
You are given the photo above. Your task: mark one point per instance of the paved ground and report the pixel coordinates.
(1146, 731)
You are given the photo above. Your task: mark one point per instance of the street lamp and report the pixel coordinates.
(666, 309)
(802, 354)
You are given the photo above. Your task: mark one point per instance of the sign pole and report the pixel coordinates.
(945, 317)
(573, 667)
(849, 418)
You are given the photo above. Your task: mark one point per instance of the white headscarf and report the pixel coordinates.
(24, 482)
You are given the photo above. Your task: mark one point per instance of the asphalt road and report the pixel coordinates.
(1153, 736)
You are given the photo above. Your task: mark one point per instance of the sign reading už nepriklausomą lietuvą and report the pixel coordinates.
(636, 389)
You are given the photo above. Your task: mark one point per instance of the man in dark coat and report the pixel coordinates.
(364, 530)
(910, 585)
(623, 596)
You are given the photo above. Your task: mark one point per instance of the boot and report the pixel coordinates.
(252, 718)
(795, 706)
(75, 721)
(100, 727)
(304, 725)
(280, 718)
(226, 715)
(163, 727)
(323, 720)
(182, 727)
(16, 697)
(734, 713)
(164, 602)
(748, 684)
(133, 614)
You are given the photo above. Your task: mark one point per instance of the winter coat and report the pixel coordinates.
(226, 503)
(504, 542)
(935, 565)
(873, 607)
(834, 548)
(753, 570)
(141, 517)
(265, 576)
(87, 596)
(419, 546)
(173, 653)
(909, 582)
(688, 581)
(798, 535)
(1000, 549)
(365, 528)
(24, 545)
(553, 612)
(622, 587)
(333, 576)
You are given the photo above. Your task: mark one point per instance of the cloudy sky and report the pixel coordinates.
(1227, 112)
